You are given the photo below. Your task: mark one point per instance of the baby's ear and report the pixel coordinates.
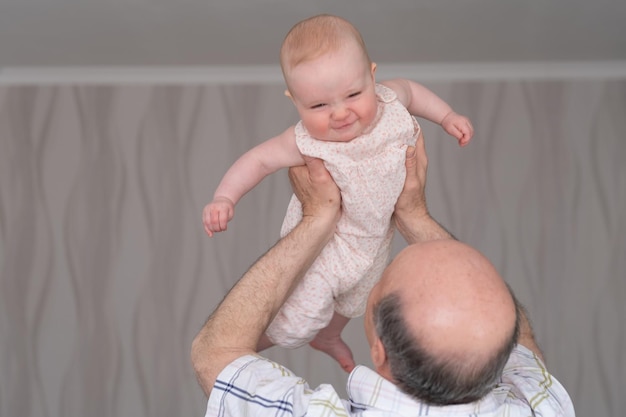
(373, 71)
(288, 94)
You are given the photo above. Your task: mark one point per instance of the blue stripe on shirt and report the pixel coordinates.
(252, 398)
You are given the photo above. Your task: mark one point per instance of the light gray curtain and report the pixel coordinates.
(106, 274)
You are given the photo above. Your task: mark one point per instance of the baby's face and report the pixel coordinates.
(335, 94)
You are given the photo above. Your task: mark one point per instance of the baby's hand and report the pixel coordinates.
(217, 214)
(458, 126)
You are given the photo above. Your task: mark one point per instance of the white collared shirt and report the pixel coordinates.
(255, 386)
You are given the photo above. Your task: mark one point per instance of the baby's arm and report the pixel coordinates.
(262, 160)
(422, 102)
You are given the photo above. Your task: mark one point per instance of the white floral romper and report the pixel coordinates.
(370, 173)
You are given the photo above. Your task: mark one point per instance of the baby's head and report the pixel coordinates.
(316, 36)
(329, 77)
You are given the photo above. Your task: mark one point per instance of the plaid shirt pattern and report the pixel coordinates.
(255, 386)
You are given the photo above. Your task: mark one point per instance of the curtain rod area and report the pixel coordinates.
(267, 74)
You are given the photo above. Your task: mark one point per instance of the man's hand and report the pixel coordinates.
(316, 190)
(411, 214)
(412, 199)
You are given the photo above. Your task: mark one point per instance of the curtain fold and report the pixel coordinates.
(106, 274)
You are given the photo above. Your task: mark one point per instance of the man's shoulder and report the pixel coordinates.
(527, 380)
(253, 385)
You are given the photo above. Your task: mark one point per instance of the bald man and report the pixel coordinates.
(441, 323)
(446, 335)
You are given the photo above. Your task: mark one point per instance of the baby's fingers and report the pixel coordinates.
(453, 130)
(468, 129)
(206, 221)
(222, 221)
(219, 220)
(215, 221)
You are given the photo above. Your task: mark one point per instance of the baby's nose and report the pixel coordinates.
(340, 112)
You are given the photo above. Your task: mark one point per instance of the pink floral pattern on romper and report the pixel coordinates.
(370, 173)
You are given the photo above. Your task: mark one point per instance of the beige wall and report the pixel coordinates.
(106, 274)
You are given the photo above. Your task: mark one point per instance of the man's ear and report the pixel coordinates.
(379, 356)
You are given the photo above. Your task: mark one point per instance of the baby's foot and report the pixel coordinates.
(335, 347)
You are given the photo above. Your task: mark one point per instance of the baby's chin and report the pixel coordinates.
(346, 137)
(349, 133)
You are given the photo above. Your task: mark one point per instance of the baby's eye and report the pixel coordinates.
(318, 106)
(354, 94)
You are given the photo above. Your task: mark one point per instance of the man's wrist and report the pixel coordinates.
(321, 225)
(420, 227)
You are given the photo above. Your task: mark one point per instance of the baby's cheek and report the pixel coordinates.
(317, 128)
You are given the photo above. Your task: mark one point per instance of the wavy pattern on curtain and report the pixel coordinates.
(106, 274)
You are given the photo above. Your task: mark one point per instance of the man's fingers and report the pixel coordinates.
(316, 167)
(298, 173)
(420, 152)
(315, 188)
(411, 157)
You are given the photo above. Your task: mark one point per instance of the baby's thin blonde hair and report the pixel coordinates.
(316, 36)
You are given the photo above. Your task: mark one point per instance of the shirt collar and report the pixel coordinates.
(369, 390)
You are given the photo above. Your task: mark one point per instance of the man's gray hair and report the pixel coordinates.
(432, 379)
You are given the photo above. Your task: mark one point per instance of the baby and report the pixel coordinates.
(361, 130)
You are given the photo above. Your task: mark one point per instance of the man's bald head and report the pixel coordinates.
(447, 321)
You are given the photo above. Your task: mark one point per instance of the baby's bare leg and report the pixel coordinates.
(329, 341)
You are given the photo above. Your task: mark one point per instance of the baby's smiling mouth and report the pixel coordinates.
(344, 126)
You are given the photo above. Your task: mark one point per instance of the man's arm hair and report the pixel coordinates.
(415, 224)
(411, 215)
(234, 329)
(526, 334)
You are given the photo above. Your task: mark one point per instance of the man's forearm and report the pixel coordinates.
(235, 327)
(526, 334)
(416, 228)
(411, 215)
